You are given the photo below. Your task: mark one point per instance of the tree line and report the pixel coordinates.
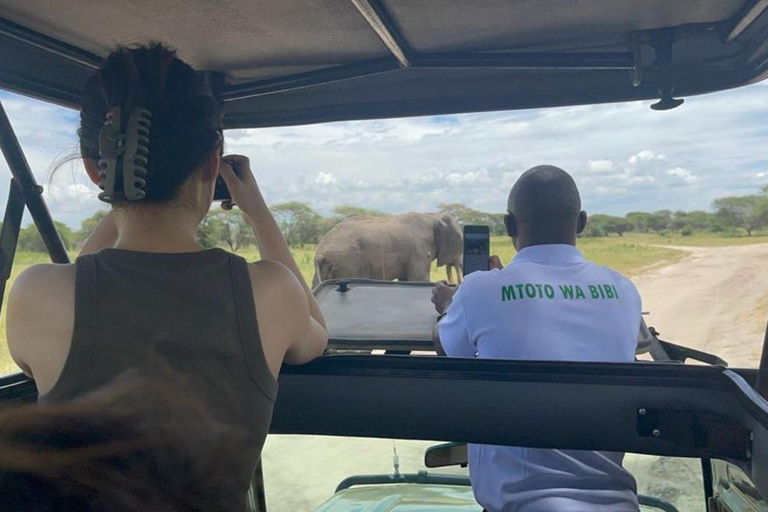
(302, 225)
(732, 215)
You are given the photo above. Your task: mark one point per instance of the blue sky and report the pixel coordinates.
(624, 156)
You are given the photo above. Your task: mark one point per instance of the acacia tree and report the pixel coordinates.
(466, 215)
(345, 211)
(610, 224)
(230, 228)
(299, 223)
(747, 212)
(643, 221)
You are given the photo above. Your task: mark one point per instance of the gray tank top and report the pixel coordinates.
(192, 312)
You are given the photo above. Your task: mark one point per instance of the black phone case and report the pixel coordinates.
(221, 192)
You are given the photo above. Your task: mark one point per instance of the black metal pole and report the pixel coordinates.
(9, 237)
(762, 374)
(30, 190)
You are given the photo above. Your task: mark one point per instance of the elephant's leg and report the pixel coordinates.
(418, 271)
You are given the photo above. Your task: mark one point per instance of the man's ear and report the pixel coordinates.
(92, 168)
(510, 222)
(581, 222)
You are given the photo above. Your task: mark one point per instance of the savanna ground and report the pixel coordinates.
(705, 291)
(629, 255)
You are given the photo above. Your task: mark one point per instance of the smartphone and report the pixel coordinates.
(477, 248)
(220, 191)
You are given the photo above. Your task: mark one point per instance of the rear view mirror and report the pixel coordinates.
(448, 454)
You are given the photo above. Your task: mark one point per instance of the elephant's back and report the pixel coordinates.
(360, 228)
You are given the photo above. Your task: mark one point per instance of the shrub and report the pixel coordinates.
(686, 231)
(663, 232)
(715, 227)
(596, 232)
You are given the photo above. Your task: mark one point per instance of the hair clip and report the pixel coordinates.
(124, 155)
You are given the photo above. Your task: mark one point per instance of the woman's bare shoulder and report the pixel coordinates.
(268, 273)
(277, 281)
(44, 278)
(46, 292)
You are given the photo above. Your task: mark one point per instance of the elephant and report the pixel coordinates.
(390, 247)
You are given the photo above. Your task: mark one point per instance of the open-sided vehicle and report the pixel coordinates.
(294, 62)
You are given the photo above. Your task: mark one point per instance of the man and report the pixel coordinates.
(548, 304)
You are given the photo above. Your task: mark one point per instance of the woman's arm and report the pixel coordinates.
(272, 246)
(103, 237)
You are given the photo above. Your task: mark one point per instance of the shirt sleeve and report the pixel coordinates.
(454, 332)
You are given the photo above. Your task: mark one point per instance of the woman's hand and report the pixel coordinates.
(241, 183)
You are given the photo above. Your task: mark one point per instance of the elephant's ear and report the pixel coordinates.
(448, 240)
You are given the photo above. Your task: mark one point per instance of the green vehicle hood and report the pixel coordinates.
(403, 498)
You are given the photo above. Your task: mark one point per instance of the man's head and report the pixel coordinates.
(544, 207)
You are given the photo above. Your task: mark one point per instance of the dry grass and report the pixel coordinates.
(631, 255)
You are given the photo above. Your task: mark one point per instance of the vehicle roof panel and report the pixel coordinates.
(297, 62)
(227, 35)
(502, 24)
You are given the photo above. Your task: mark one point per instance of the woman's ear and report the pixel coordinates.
(211, 170)
(92, 168)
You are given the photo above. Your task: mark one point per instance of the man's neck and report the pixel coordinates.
(523, 242)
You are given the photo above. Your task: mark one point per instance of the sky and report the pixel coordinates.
(624, 156)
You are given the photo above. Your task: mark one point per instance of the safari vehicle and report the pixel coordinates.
(293, 62)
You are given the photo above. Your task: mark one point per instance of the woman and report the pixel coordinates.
(143, 289)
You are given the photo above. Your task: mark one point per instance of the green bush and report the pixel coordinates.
(686, 231)
(663, 232)
(596, 232)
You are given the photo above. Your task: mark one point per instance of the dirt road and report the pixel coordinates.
(715, 300)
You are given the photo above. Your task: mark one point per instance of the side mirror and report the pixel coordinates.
(448, 454)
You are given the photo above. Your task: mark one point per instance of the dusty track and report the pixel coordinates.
(712, 300)
(709, 300)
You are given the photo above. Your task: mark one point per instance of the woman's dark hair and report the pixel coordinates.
(186, 118)
(132, 447)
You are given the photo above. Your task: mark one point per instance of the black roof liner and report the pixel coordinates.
(294, 62)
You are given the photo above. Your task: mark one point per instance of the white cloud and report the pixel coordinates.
(684, 174)
(600, 165)
(325, 178)
(623, 156)
(468, 178)
(646, 155)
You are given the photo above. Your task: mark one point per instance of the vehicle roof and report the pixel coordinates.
(295, 62)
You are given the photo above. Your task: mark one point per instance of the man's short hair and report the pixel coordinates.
(545, 196)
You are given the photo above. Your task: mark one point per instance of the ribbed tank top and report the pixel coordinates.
(194, 313)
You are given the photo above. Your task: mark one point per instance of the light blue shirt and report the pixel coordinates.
(548, 304)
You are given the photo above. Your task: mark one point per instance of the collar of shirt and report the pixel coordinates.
(562, 254)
